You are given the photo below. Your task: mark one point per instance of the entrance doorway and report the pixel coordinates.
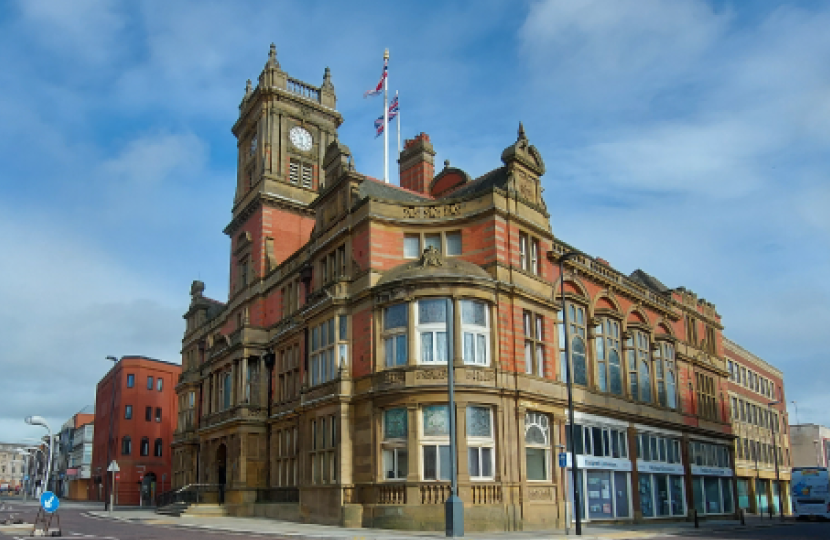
(221, 470)
(148, 489)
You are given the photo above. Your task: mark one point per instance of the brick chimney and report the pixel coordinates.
(417, 164)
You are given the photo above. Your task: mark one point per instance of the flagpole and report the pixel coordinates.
(399, 123)
(385, 120)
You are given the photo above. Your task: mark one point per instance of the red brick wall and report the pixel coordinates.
(134, 465)
(362, 336)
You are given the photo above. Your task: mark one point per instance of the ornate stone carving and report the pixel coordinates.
(539, 494)
(431, 374)
(431, 257)
(393, 378)
(434, 212)
(480, 375)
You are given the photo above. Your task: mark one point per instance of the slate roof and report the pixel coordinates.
(649, 281)
(380, 190)
(483, 184)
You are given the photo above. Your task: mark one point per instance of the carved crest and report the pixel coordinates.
(431, 257)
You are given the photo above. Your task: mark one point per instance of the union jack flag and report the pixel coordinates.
(379, 88)
(393, 112)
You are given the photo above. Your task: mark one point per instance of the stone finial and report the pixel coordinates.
(272, 57)
(522, 136)
(327, 84)
(197, 288)
(248, 88)
(351, 163)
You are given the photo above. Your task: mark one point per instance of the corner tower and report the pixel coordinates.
(283, 129)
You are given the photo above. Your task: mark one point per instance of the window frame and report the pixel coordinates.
(443, 242)
(533, 325)
(607, 339)
(128, 412)
(479, 444)
(130, 380)
(542, 422)
(390, 337)
(477, 332)
(433, 328)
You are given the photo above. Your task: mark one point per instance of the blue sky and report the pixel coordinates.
(689, 139)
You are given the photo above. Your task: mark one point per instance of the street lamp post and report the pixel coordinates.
(40, 421)
(109, 496)
(453, 507)
(775, 457)
(569, 379)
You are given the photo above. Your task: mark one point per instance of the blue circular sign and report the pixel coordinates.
(49, 502)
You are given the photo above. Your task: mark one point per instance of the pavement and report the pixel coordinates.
(304, 531)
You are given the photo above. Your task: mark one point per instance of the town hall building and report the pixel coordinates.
(317, 391)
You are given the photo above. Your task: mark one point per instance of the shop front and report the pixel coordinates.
(661, 489)
(712, 478)
(605, 487)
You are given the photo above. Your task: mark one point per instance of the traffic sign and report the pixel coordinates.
(117, 476)
(49, 502)
(563, 459)
(114, 467)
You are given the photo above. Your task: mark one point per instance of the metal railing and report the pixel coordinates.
(191, 494)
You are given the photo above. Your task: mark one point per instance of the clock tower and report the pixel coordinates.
(283, 129)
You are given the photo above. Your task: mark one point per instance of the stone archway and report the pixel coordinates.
(222, 470)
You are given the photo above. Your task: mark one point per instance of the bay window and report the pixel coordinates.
(395, 434)
(432, 330)
(480, 442)
(435, 445)
(475, 328)
(395, 324)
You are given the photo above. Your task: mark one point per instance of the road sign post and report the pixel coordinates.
(113, 468)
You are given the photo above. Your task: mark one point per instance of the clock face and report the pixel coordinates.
(300, 138)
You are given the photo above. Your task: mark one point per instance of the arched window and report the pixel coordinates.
(157, 448)
(609, 374)
(145, 446)
(577, 335)
(664, 373)
(126, 446)
(537, 446)
(639, 372)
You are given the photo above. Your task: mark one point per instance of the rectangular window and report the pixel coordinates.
(149, 383)
(436, 462)
(475, 328)
(534, 256)
(395, 463)
(396, 337)
(158, 414)
(453, 239)
(148, 414)
(432, 330)
(523, 247)
(128, 412)
(412, 246)
(433, 240)
(130, 380)
(480, 462)
(159, 384)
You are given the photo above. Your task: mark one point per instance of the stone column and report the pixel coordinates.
(244, 375)
(637, 514)
(461, 447)
(413, 453)
(411, 334)
(686, 451)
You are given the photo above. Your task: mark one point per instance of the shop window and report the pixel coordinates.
(607, 342)
(395, 434)
(537, 446)
(577, 329)
(475, 328)
(432, 331)
(480, 443)
(534, 343)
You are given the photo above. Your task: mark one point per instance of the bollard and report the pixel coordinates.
(697, 523)
(743, 517)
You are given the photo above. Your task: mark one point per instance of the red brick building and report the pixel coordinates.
(139, 432)
(318, 389)
(760, 422)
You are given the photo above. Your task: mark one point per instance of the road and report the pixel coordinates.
(78, 524)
